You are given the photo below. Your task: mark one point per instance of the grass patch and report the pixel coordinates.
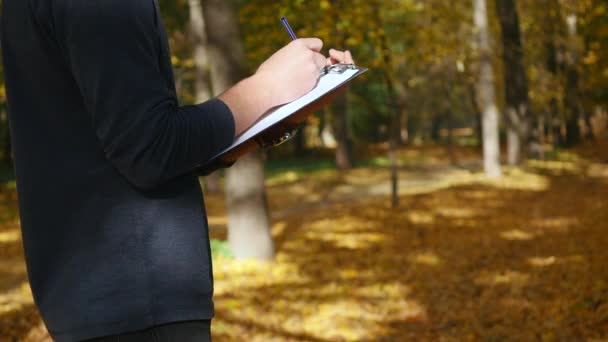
(220, 248)
(296, 168)
(375, 162)
(286, 170)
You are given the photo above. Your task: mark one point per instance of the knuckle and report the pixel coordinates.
(310, 55)
(312, 67)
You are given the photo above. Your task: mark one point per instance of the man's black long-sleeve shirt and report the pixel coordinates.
(112, 216)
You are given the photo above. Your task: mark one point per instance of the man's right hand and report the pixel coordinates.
(292, 71)
(287, 75)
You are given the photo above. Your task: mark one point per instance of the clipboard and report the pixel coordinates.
(281, 123)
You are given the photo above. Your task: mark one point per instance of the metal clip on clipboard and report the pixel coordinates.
(337, 68)
(288, 133)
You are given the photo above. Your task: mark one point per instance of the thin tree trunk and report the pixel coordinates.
(299, 144)
(344, 156)
(554, 66)
(248, 220)
(555, 124)
(436, 123)
(588, 125)
(447, 116)
(404, 137)
(394, 139)
(516, 83)
(476, 113)
(486, 93)
(394, 129)
(571, 97)
(341, 129)
(401, 94)
(326, 132)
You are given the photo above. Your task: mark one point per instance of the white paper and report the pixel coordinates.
(326, 83)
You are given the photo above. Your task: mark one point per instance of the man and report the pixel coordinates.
(112, 216)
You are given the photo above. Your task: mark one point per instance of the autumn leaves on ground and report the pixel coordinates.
(463, 258)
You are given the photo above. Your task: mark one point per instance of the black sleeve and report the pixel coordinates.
(114, 52)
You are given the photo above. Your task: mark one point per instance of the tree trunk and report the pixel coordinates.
(477, 115)
(555, 124)
(449, 118)
(404, 136)
(395, 124)
(248, 221)
(341, 129)
(326, 131)
(224, 45)
(201, 59)
(486, 93)
(299, 142)
(436, 123)
(554, 66)
(571, 97)
(394, 139)
(344, 156)
(202, 82)
(588, 125)
(516, 83)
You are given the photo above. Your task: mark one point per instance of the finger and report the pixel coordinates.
(314, 44)
(319, 60)
(339, 56)
(332, 61)
(348, 57)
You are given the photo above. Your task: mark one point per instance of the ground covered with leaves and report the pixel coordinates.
(463, 258)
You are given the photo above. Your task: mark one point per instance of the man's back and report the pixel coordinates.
(113, 220)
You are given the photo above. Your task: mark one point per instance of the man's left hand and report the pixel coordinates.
(336, 56)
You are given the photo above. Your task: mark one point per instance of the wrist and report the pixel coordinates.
(248, 100)
(259, 85)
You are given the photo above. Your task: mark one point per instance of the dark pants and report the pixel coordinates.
(191, 331)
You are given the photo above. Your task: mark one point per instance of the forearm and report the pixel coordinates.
(247, 100)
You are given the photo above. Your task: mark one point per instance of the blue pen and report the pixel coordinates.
(288, 28)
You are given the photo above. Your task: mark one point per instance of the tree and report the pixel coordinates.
(554, 66)
(486, 93)
(202, 85)
(248, 220)
(517, 111)
(572, 104)
(395, 124)
(340, 106)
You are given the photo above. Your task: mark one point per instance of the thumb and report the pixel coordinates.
(314, 44)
